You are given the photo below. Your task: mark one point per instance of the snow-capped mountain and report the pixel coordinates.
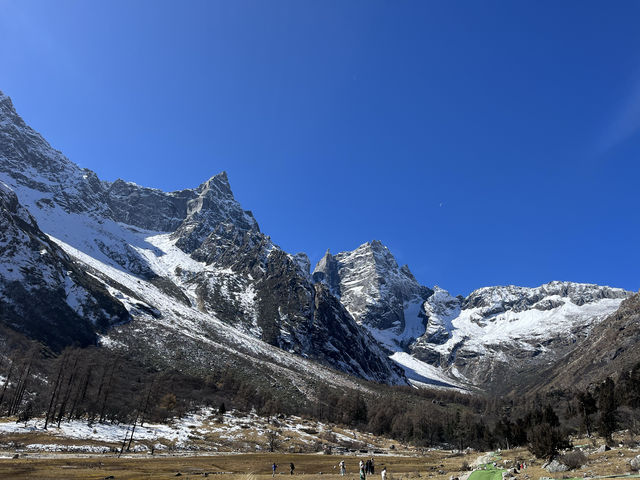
(440, 339)
(193, 259)
(497, 331)
(188, 280)
(379, 294)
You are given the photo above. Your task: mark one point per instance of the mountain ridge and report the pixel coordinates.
(119, 225)
(195, 260)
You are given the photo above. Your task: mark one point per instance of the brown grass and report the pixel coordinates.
(239, 466)
(433, 465)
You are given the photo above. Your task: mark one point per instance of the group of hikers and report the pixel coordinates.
(369, 468)
(274, 467)
(366, 468)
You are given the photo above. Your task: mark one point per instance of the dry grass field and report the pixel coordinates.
(436, 465)
(236, 467)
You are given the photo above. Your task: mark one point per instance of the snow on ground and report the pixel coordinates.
(190, 321)
(424, 374)
(110, 433)
(165, 257)
(414, 323)
(480, 332)
(98, 242)
(227, 432)
(395, 340)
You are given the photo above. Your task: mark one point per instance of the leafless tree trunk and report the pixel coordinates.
(54, 393)
(107, 391)
(67, 392)
(6, 382)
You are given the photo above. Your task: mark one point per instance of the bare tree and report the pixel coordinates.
(6, 382)
(273, 440)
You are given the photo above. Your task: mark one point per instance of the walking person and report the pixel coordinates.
(372, 467)
(383, 473)
(363, 475)
(343, 469)
(273, 469)
(292, 467)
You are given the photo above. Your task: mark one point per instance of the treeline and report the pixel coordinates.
(543, 423)
(97, 385)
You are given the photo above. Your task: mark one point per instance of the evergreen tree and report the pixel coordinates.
(607, 406)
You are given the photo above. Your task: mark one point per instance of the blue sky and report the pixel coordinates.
(486, 143)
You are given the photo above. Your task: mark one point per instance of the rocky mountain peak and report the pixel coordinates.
(375, 290)
(550, 295)
(219, 184)
(380, 253)
(27, 160)
(326, 272)
(5, 102)
(213, 205)
(109, 255)
(509, 328)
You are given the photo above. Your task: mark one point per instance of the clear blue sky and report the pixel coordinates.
(485, 142)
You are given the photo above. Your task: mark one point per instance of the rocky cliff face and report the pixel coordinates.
(262, 289)
(610, 349)
(30, 163)
(379, 294)
(491, 337)
(159, 253)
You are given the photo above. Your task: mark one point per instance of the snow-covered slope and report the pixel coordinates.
(611, 349)
(192, 257)
(438, 338)
(497, 331)
(42, 292)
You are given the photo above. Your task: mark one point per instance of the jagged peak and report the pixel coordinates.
(373, 245)
(301, 259)
(549, 287)
(219, 183)
(512, 296)
(376, 244)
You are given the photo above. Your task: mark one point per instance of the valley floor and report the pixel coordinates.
(432, 464)
(236, 446)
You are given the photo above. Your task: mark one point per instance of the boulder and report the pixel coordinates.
(635, 463)
(555, 466)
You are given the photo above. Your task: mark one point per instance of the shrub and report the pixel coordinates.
(574, 460)
(545, 440)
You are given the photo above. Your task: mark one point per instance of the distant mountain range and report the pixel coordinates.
(188, 279)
